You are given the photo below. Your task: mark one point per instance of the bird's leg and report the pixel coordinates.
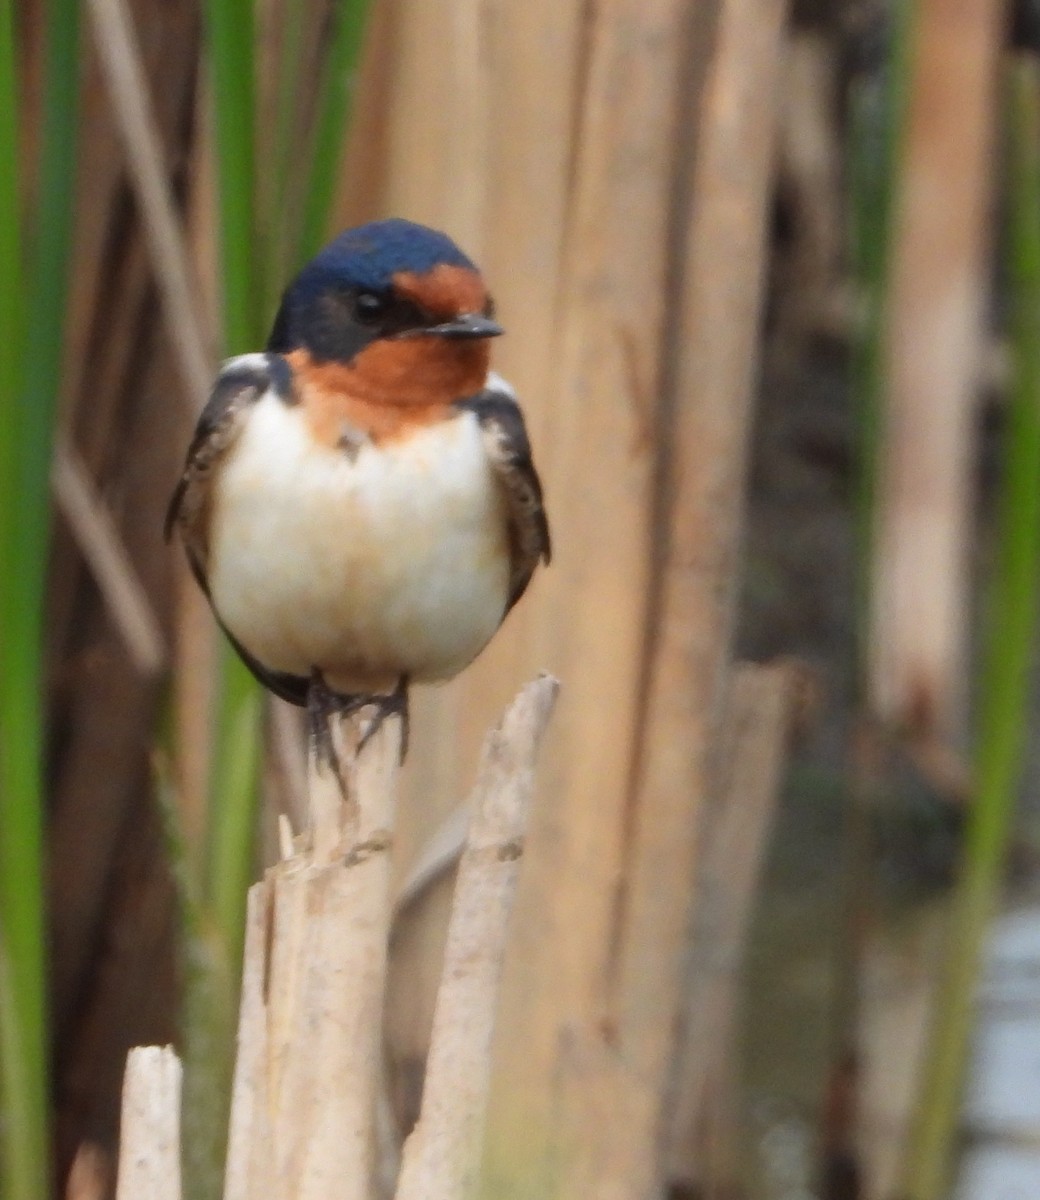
(396, 703)
(322, 705)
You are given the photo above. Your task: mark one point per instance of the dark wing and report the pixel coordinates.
(241, 383)
(505, 438)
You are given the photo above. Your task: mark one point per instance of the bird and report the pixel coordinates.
(359, 502)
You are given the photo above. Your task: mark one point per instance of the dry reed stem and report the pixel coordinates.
(197, 645)
(440, 854)
(703, 445)
(810, 168)
(310, 1025)
(598, 454)
(442, 1155)
(289, 751)
(150, 1137)
(102, 547)
(762, 705)
(918, 664)
(89, 1176)
(132, 111)
(250, 1150)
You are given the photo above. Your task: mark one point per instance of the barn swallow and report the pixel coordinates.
(359, 503)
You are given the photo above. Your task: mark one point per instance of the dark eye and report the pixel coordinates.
(369, 308)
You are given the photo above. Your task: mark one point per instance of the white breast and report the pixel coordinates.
(394, 561)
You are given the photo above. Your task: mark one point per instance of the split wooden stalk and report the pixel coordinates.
(150, 1141)
(442, 1155)
(310, 1030)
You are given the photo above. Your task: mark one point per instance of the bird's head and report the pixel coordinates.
(390, 299)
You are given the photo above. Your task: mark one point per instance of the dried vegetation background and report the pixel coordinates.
(657, 191)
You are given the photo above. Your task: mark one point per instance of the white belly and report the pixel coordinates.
(395, 562)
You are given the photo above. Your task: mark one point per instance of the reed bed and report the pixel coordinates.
(614, 169)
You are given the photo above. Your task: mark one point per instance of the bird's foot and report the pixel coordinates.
(322, 705)
(394, 704)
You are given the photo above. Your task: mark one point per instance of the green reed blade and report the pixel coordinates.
(230, 45)
(23, 1122)
(333, 120)
(213, 933)
(281, 218)
(30, 368)
(230, 29)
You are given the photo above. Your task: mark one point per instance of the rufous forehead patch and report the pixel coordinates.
(446, 291)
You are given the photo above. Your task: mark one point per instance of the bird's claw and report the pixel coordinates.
(394, 704)
(323, 703)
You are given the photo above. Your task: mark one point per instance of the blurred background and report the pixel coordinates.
(770, 274)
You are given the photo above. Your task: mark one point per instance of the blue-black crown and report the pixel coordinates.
(369, 256)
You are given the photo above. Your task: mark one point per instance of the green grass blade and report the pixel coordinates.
(233, 799)
(233, 816)
(282, 218)
(28, 389)
(1010, 638)
(230, 37)
(332, 123)
(23, 1122)
(214, 935)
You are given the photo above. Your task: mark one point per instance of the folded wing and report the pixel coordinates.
(508, 448)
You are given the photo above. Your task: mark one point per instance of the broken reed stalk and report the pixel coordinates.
(442, 1155)
(150, 1144)
(310, 1028)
